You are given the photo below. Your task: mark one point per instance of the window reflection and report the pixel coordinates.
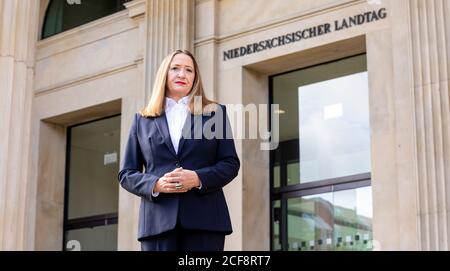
(334, 128)
(324, 127)
(309, 222)
(331, 221)
(353, 219)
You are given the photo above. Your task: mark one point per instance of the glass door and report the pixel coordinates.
(320, 174)
(92, 189)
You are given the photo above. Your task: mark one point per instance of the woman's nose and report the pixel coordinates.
(181, 73)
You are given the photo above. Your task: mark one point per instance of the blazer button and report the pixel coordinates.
(177, 164)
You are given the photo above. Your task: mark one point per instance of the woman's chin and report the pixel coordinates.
(181, 92)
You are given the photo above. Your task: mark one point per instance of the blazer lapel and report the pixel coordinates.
(189, 129)
(193, 126)
(163, 128)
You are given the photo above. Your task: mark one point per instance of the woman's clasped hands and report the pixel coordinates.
(177, 181)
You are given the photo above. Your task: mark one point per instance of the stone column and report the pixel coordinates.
(430, 42)
(170, 26)
(206, 44)
(18, 35)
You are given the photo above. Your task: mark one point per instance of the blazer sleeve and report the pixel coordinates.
(227, 163)
(131, 177)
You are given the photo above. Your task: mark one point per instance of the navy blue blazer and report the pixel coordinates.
(149, 154)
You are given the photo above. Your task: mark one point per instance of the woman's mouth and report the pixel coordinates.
(180, 83)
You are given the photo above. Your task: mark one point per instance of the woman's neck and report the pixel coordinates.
(176, 98)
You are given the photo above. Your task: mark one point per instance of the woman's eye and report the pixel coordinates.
(189, 70)
(174, 68)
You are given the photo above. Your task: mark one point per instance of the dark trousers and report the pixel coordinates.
(180, 239)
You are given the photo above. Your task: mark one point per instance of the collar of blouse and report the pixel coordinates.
(171, 103)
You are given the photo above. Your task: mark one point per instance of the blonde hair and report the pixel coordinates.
(155, 106)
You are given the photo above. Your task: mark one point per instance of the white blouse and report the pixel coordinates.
(176, 114)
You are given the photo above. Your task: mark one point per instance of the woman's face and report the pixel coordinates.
(180, 76)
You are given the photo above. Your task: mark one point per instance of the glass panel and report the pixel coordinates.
(324, 121)
(276, 176)
(98, 238)
(334, 127)
(63, 15)
(310, 220)
(53, 18)
(276, 212)
(94, 163)
(331, 221)
(353, 219)
(293, 173)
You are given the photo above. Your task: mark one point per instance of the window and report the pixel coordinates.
(92, 189)
(320, 175)
(63, 15)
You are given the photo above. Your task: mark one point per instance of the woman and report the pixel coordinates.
(182, 203)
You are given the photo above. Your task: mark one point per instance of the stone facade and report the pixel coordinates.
(107, 66)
